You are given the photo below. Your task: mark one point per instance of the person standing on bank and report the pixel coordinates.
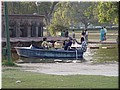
(86, 35)
(105, 32)
(66, 33)
(83, 33)
(102, 34)
(62, 33)
(73, 34)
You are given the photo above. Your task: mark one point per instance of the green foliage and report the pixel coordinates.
(83, 12)
(71, 13)
(107, 12)
(44, 7)
(61, 18)
(61, 14)
(22, 7)
(68, 14)
(37, 80)
(54, 28)
(8, 63)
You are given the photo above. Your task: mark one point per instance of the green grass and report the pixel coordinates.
(106, 55)
(95, 34)
(36, 80)
(8, 63)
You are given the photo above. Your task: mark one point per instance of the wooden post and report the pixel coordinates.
(7, 33)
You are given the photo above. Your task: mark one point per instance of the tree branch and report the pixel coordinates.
(52, 8)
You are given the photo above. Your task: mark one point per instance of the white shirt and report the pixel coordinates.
(75, 45)
(105, 30)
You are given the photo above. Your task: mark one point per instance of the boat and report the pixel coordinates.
(36, 52)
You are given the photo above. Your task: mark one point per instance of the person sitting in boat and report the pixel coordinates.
(45, 44)
(75, 44)
(64, 42)
(68, 44)
(83, 44)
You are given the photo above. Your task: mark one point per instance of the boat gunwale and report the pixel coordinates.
(48, 50)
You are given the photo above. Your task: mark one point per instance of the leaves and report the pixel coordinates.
(107, 12)
(68, 14)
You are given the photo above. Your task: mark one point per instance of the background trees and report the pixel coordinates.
(62, 15)
(83, 12)
(107, 12)
(71, 13)
(22, 7)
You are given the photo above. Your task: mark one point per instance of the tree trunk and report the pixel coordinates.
(48, 16)
(86, 25)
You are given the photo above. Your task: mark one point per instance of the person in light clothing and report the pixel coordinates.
(83, 44)
(45, 44)
(86, 35)
(102, 34)
(75, 44)
(105, 32)
(73, 34)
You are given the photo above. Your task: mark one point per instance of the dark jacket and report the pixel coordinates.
(66, 34)
(67, 45)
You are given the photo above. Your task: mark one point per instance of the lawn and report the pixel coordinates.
(104, 55)
(10, 78)
(95, 34)
(35, 80)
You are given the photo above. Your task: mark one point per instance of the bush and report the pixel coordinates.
(53, 28)
(8, 63)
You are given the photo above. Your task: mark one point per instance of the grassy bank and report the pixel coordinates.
(95, 34)
(13, 78)
(104, 55)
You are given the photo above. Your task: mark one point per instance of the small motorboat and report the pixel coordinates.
(37, 52)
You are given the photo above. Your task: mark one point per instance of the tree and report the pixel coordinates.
(71, 13)
(42, 8)
(46, 8)
(107, 12)
(61, 17)
(83, 12)
(22, 7)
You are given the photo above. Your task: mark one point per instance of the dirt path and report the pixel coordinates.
(72, 68)
(84, 68)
